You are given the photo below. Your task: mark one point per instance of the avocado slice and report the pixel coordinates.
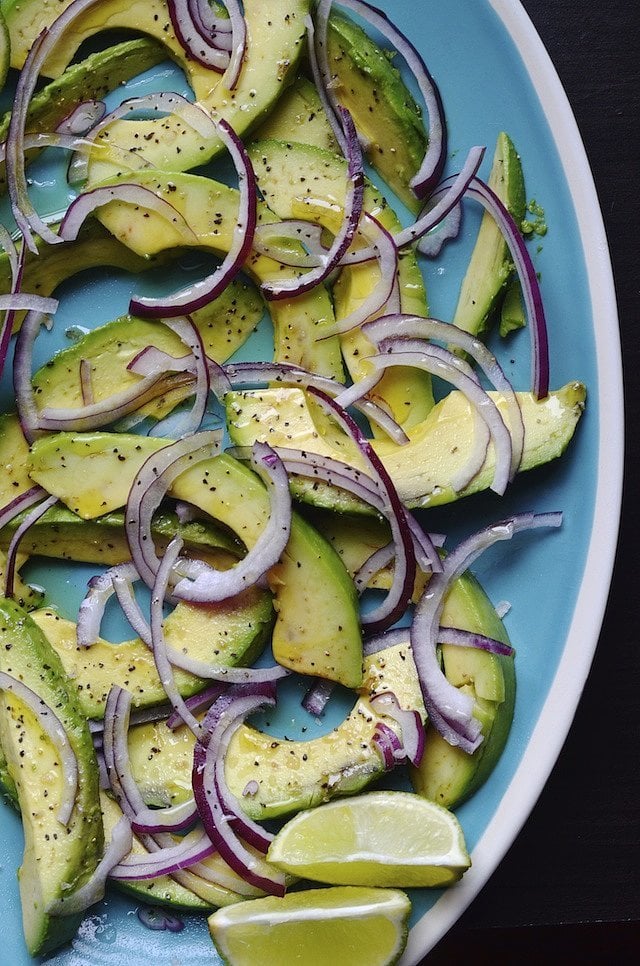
(304, 181)
(291, 775)
(384, 111)
(317, 628)
(57, 859)
(448, 775)
(275, 33)
(92, 78)
(490, 268)
(298, 322)
(437, 450)
(300, 117)
(231, 633)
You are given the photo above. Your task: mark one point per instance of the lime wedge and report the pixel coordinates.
(380, 838)
(320, 927)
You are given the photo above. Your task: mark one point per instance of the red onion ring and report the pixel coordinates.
(195, 42)
(449, 709)
(413, 735)
(20, 503)
(461, 638)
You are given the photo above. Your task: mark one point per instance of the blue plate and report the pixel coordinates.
(494, 75)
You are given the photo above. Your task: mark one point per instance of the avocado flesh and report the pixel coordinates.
(438, 449)
(83, 471)
(91, 79)
(291, 775)
(384, 111)
(300, 117)
(57, 860)
(24, 595)
(491, 268)
(229, 634)
(210, 210)
(449, 775)
(224, 325)
(291, 178)
(275, 42)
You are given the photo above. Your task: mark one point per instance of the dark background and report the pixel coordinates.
(569, 888)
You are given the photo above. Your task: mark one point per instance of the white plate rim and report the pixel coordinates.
(558, 710)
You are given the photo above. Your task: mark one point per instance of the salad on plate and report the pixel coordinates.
(305, 679)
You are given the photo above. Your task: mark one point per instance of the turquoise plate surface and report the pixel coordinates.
(494, 75)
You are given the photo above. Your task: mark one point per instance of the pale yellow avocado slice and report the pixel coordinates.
(275, 42)
(290, 774)
(210, 212)
(438, 448)
(317, 628)
(305, 181)
(57, 858)
(227, 634)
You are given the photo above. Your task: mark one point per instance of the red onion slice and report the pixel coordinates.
(82, 118)
(293, 287)
(404, 574)
(201, 293)
(32, 517)
(196, 44)
(317, 697)
(20, 503)
(55, 731)
(450, 710)
(318, 62)
(441, 363)
(180, 424)
(389, 331)
(158, 920)
(413, 735)
(238, 44)
(203, 584)
(208, 779)
(461, 638)
(433, 162)
(133, 194)
(388, 745)
(149, 488)
(531, 294)
(92, 607)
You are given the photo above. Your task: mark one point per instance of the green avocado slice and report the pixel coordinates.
(57, 859)
(300, 117)
(317, 631)
(304, 181)
(210, 210)
(490, 267)
(232, 633)
(423, 468)
(371, 87)
(290, 774)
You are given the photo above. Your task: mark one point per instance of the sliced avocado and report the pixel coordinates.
(275, 42)
(91, 79)
(302, 181)
(512, 314)
(490, 267)
(24, 595)
(290, 774)
(317, 632)
(300, 117)
(385, 113)
(298, 322)
(14, 453)
(5, 51)
(449, 775)
(224, 325)
(231, 633)
(57, 859)
(438, 448)
(164, 890)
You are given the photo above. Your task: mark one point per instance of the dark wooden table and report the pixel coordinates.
(569, 888)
